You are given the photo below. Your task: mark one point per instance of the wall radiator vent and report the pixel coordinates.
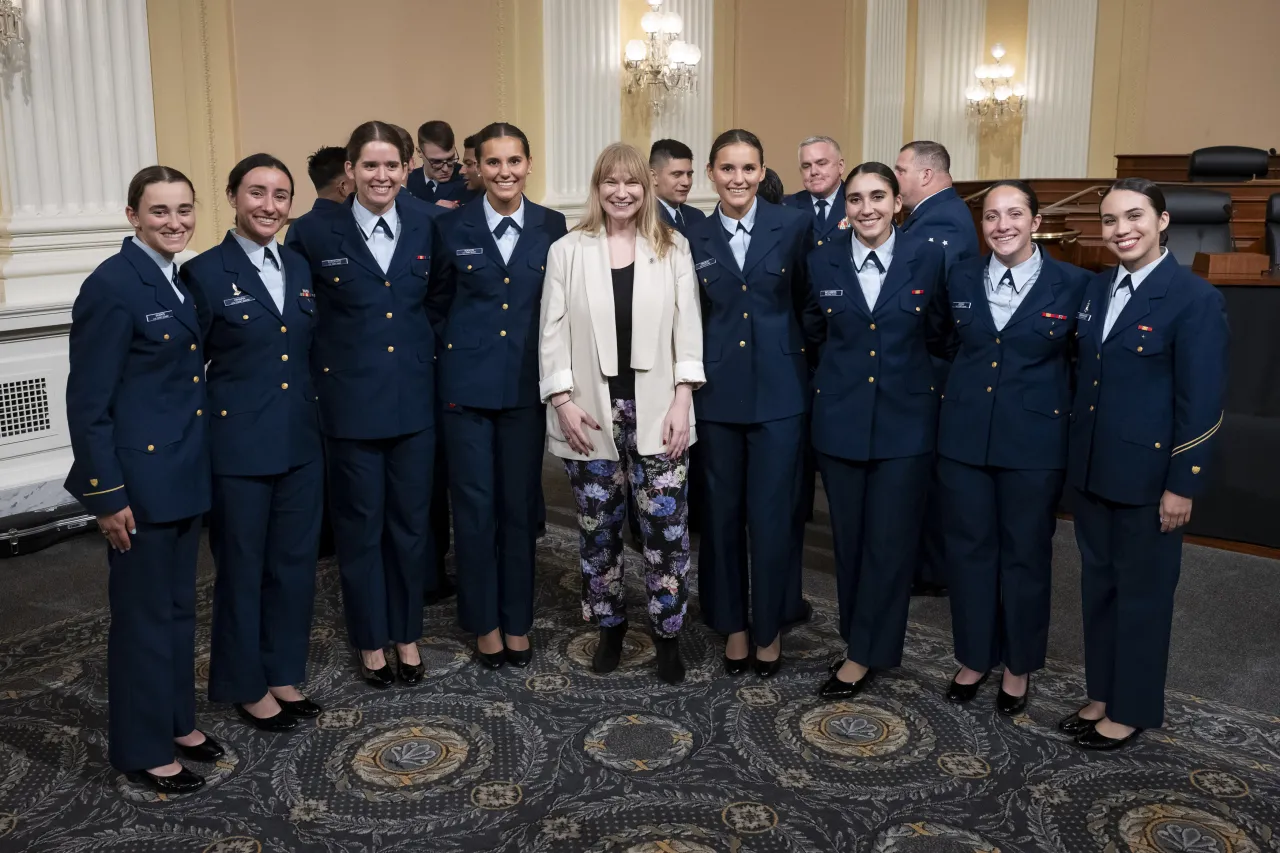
(24, 407)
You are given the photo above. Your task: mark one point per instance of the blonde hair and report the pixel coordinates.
(649, 225)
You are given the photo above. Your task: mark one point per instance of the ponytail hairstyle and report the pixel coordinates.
(734, 137)
(155, 175)
(378, 131)
(1142, 186)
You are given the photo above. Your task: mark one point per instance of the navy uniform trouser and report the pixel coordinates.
(1128, 573)
(877, 509)
(264, 533)
(495, 469)
(998, 528)
(751, 473)
(440, 511)
(151, 655)
(381, 500)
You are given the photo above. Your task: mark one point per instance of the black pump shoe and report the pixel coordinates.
(303, 708)
(1010, 705)
(1094, 739)
(670, 667)
(207, 750)
(960, 693)
(183, 782)
(768, 668)
(411, 673)
(835, 688)
(282, 721)
(382, 677)
(609, 649)
(520, 657)
(1075, 724)
(492, 660)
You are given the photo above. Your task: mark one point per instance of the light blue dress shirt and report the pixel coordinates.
(507, 242)
(1004, 298)
(168, 268)
(266, 260)
(739, 238)
(382, 246)
(870, 276)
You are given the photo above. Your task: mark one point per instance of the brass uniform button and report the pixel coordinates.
(336, 279)
(997, 340)
(195, 379)
(150, 447)
(871, 379)
(1139, 349)
(506, 281)
(1095, 383)
(828, 310)
(388, 284)
(283, 329)
(873, 327)
(284, 358)
(873, 353)
(1091, 408)
(1051, 333)
(284, 386)
(193, 347)
(326, 370)
(504, 306)
(199, 413)
(917, 307)
(988, 389)
(1055, 411)
(784, 269)
(245, 317)
(819, 242)
(391, 349)
(468, 266)
(993, 364)
(817, 391)
(1098, 356)
(450, 346)
(223, 413)
(744, 315)
(744, 287)
(166, 337)
(742, 343)
(1157, 445)
(388, 315)
(503, 333)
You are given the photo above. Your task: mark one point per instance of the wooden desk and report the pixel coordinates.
(1169, 168)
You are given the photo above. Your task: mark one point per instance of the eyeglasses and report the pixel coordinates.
(440, 164)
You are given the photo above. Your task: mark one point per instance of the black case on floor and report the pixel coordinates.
(28, 532)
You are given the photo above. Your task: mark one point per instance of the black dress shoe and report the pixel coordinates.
(1094, 739)
(384, 676)
(303, 708)
(1012, 706)
(768, 668)
(411, 673)
(492, 660)
(520, 657)
(609, 649)
(958, 692)
(670, 667)
(929, 589)
(1076, 724)
(207, 750)
(281, 722)
(834, 688)
(183, 782)
(736, 666)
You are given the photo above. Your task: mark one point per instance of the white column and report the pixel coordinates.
(582, 80)
(884, 95)
(688, 117)
(948, 47)
(76, 122)
(1055, 132)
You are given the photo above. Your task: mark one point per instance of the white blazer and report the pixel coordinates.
(579, 346)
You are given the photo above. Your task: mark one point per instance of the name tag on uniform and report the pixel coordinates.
(961, 304)
(1084, 316)
(236, 300)
(162, 315)
(704, 264)
(822, 293)
(462, 252)
(334, 262)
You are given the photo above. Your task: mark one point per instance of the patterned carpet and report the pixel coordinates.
(558, 759)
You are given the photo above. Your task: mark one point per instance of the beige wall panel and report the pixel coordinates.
(792, 76)
(1212, 76)
(296, 67)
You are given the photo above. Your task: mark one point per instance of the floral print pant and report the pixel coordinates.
(660, 490)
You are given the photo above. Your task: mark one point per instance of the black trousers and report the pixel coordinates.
(151, 657)
(1129, 572)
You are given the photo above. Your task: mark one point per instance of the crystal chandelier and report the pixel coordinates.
(992, 100)
(664, 64)
(10, 18)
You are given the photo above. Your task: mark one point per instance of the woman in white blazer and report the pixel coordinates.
(622, 346)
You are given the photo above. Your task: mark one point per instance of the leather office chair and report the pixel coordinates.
(1199, 221)
(1227, 163)
(1271, 230)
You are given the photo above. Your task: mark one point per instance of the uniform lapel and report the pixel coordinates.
(845, 274)
(1153, 286)
(183, 309)
(972, 288)
(411, 228)
(244, 276)
(716, 244)
(765, 234)
(1043, 292)
(834, 214)
(479, 235)
(530, 233)
(353, 243)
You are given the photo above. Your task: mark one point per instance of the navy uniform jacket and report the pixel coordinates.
(373, 350)
(485, 311)
(755, 321)
(1008, 398)
(136, 405)
(690, 214)
(261, 397)
(824, 230)
(454, 189)
(310, 221)
(945, 218)
(1149, 398)
(875, 396)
